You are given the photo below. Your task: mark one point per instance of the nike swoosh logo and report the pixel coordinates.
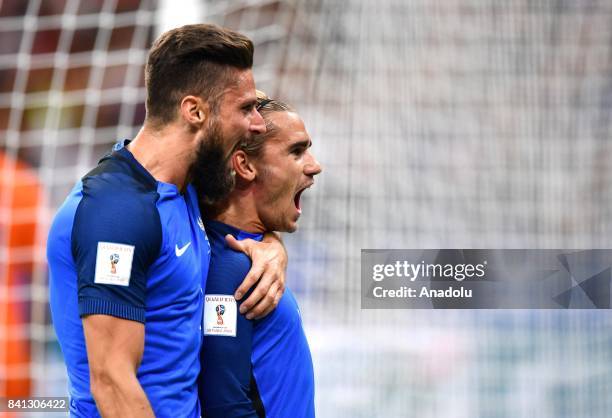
(180, 251)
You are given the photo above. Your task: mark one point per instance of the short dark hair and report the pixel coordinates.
(192, 59)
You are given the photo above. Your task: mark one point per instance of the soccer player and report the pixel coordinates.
(257, 368)
(127, 251)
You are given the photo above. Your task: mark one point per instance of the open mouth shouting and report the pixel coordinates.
(296, 198)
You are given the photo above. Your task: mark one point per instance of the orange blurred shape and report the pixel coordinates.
(20, 192)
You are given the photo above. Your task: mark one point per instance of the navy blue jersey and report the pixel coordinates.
(260, 368)
(126, 245)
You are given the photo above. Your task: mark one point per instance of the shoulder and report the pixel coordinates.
(115, 178)
(117, 185)
(227, 268)
(118, 204)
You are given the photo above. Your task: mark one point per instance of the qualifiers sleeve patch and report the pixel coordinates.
(114, 263)
(220, 315)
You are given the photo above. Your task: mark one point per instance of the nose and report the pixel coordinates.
(258, 125)
(312, 167)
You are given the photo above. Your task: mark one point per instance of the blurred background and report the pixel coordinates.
(439, 123)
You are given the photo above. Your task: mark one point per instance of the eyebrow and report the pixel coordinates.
(248, 102)
(307, 143)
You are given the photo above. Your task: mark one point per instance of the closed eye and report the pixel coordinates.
(249, 106)
(299, 148)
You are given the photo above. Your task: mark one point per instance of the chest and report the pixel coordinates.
(182, 266)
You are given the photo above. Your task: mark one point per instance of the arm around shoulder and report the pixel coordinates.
(268, 271)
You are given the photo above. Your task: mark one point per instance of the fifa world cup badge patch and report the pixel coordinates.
(220, 315)
(114, 263)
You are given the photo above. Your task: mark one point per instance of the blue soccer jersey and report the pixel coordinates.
(260, 368)
(126, 245)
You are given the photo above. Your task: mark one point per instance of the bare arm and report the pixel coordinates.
(269, 259)
(114, 352)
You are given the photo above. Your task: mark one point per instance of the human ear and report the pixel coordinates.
(194, 110)
(243, 166)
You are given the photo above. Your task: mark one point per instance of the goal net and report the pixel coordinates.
(439, 124)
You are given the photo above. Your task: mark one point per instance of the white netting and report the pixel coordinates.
(70, 84)
(439, 124)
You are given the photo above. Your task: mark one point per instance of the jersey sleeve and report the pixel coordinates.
(116, 236)
(226, 386)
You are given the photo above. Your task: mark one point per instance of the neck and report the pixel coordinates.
(240, 212)
(166, 153)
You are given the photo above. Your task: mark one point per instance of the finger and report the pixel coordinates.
(250, 279)
(277, 298)
(266, 305)
(260, 292)
(234, 244)
(281, 281)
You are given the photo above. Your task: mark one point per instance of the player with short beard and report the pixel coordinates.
(127, 251)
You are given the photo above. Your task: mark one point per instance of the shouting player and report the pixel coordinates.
(257, 368)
